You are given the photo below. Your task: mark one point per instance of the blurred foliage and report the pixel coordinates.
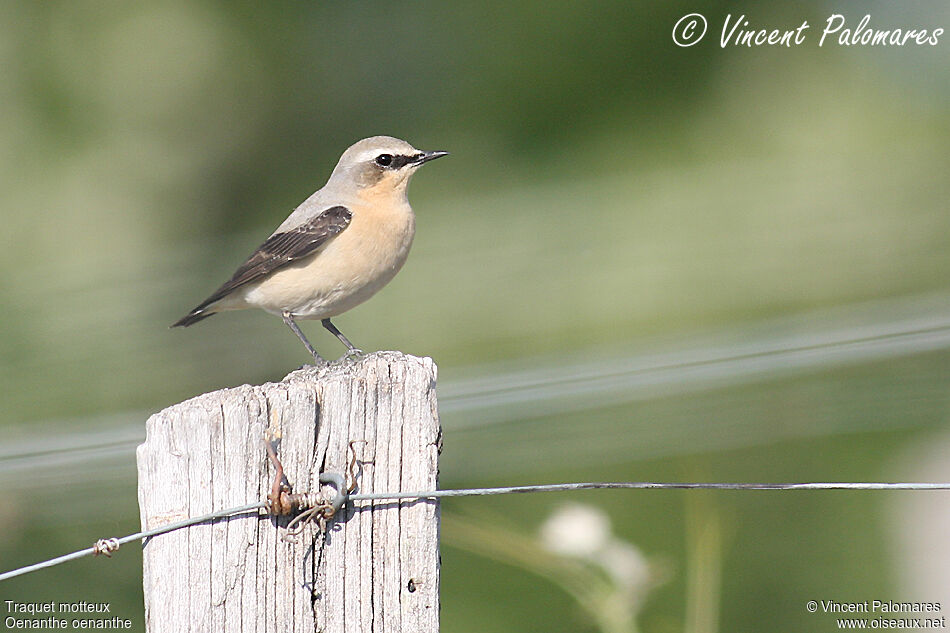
(606, 189)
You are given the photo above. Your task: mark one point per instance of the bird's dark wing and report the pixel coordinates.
(279, 250)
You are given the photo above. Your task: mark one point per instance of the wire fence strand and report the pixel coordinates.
(112, 545)
(138, 536)
(643, 485)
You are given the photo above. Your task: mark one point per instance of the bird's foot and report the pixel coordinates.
(319, 362)
(353, 353)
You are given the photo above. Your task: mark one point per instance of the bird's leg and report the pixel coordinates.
(352, 349)
(289, 320)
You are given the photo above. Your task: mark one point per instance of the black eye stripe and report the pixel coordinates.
(401, 161)
(395, 161)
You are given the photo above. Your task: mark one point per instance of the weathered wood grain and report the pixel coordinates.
(377, 568)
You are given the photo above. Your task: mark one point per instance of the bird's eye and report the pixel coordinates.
(384, 160)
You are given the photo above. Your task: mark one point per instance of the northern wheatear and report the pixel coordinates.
(337, 249)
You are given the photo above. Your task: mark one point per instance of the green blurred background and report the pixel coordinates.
(640, 262)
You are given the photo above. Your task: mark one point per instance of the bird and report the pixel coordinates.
(337, 249)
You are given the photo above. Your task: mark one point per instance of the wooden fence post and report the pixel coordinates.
(376, 568)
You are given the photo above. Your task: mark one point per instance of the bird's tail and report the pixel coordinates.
(193, 317)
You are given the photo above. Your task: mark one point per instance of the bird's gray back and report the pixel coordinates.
(318, 202)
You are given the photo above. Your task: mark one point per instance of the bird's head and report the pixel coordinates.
(379, 165)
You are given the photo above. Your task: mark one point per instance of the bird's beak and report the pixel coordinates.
(425, 157)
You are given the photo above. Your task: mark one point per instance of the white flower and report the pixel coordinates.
(581, 531)
(576, 530)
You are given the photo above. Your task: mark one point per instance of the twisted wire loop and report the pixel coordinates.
(321, 513)
(315, 507)
(105, 546)
(282, 502)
